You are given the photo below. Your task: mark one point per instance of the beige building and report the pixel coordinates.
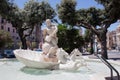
(111, 40)
(118, 36)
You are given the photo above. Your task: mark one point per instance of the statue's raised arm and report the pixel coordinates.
(51, 33)
(55, 31)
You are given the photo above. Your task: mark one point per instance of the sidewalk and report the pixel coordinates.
(111, 56)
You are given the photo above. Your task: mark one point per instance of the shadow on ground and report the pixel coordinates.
(115, 58)
(109, 78)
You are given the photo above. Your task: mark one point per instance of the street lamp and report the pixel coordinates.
(95, 44)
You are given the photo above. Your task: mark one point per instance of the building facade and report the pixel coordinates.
(113, 39)
(118, 37)
(6, 26)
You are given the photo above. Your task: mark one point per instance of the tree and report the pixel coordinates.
(66, 11)
(18, 19)
(38, 12)
(32, 15)
(87, 36)
(69, 38)
(109, 15)
(5, 7)
(5, 39)
(62, 40)
(89, 15)
(93, 17)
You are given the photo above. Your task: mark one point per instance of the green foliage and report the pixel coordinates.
(66, 11)
(33, 14)
(5, 38)
(87, 36)
(91, 18)
(112, 10)
(4, 7)
(91, 15)
(62, 29)
(90, 50)
(38, 12)
(69, 39)
(17, 17)
(104, 2)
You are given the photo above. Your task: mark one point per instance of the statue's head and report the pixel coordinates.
(48, 22)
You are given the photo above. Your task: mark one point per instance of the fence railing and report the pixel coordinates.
(109, 66)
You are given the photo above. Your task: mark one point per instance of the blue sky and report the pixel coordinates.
(80, 4)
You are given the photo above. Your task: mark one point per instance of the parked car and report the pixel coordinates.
(1, 54)
(9, 53)
(39, 50)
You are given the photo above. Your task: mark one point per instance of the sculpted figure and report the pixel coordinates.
(51, 56)
(50, 41)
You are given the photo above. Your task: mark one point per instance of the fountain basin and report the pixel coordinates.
(15, 70)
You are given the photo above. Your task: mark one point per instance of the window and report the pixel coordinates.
(17, 38)
(2, 21)
(13, 30)
(8, 29)
(16, 31)
(2, 27)
(33, 38)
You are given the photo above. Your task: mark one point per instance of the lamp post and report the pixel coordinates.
(95, 45)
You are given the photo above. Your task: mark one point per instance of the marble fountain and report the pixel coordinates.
(53, 63)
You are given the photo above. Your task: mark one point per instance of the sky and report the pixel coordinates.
(80, 4)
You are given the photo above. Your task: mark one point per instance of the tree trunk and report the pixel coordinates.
(41, 38)
(91, 43)
(24, 45)
(103, 43)
(23, 39)
(38, 35)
